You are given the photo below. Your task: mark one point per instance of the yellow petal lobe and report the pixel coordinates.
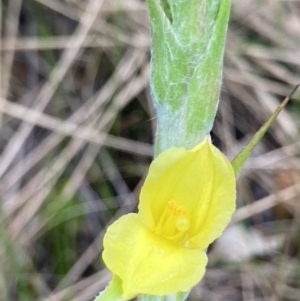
(200, 180)
(147, 263)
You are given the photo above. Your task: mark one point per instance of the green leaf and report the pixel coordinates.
(186, 64)
(175, 297)
(168, 60)
(113, 292)
(242, 156)
(204, 86)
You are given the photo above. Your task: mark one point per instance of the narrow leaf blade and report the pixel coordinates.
(242, 156)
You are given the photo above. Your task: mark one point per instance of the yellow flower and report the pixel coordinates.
(186, 202)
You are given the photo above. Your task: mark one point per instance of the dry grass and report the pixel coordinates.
(76, 139)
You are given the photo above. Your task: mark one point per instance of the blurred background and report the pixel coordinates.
(76, 141)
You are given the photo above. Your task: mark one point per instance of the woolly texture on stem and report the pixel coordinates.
(186, 64)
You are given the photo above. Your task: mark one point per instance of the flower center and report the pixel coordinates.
(173, 223)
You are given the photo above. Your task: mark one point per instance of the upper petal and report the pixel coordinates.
(149, 264)
(201, 180)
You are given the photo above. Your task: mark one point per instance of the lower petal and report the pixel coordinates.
(147, 263)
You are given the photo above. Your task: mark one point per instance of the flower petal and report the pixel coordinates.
(201, 180)
(149, 264)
